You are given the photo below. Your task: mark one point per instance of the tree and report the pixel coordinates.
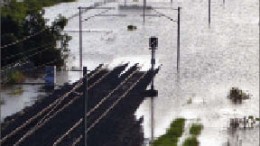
(50, 35)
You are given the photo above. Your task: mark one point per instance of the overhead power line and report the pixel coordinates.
(23, 39)
(40, 113)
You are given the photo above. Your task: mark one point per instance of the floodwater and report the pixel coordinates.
(213, 59)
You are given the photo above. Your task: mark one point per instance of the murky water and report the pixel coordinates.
(212, 59)
(17, 97)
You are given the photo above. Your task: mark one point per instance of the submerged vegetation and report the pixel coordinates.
(191, 141)
(22, 19)
(172, 135)
(195, 131)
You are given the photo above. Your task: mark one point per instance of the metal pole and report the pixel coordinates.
(80, 38)
(178, 40)
(85, 103)
(244, 122)
(209, 19)
(152, 98)
(152, 119)
(0, 71)
(144, 7)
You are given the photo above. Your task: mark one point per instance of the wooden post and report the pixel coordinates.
(85, 103)
(80, 38)
(178, 40)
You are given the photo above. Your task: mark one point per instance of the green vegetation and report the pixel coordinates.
(191, 141)
(172, 135)
(196, 129)
(16, 77)
(22, 19)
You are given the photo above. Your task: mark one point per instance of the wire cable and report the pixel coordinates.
(44, 121)
(42, 111)
(109, 109)
(10, 66)
(79, 122)
(23, 39)
(161, 14)
(96, 15)
(24, 52)
(93, 109)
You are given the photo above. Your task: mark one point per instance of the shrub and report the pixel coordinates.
(173, 133)
(191, 141)
(196, 129)
(166, 140)
(177, 127)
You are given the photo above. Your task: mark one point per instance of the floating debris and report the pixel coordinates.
(246, 122)
(131, 27)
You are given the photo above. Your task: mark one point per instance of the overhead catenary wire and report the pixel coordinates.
(45, 109)
(115, 103)
(26, 51)
(44, 121)
(35, 34)
(96, 15)
(93, 109)
(9, 66)
(53, 109)
(77, 140)
(23, 39)
(30, 132)
(109, 109)
(161, 14)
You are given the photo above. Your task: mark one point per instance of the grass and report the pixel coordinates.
(191, 141)
(172, 135)
(195, 129)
